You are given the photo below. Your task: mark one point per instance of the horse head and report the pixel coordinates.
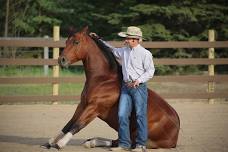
(75, 49)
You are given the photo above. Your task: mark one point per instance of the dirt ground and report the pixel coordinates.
(23, 128)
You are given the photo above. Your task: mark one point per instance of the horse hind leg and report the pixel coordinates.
(160, 144)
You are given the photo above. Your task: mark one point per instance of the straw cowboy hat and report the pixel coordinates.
(132, 32)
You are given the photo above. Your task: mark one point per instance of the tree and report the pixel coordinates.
(6, 19)
(163, 20)
(31, 17)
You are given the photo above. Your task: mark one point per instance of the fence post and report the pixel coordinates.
(46, 56)
(211, 72)
(55, 56)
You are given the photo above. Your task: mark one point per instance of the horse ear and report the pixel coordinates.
(85, 30)
(71, 31)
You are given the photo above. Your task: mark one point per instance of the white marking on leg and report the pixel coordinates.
(90, 143)
(62, 142)
(56, 138)
(103, 142)
(98, 142)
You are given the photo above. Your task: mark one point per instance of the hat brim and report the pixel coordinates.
(123, 34)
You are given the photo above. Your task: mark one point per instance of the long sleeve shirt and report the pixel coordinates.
(137, 63)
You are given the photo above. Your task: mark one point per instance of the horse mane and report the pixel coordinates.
(113, 64)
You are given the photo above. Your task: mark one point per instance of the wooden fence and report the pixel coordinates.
(44, 42)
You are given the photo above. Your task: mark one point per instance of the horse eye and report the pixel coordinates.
(75, 42)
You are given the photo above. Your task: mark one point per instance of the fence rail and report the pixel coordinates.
(195, 61)
(44, 42)
(180, 79)
(203, 95)
(48, 42)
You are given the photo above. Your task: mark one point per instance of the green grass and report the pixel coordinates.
(38, 89)
(18, 71)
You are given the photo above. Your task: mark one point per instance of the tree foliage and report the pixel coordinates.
(31, 17)
(160, 20)
(164, 20)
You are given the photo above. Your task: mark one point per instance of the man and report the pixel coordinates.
(137, 69)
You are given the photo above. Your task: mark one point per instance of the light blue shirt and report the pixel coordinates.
(137, 62)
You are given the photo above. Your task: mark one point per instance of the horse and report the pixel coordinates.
(100, 97)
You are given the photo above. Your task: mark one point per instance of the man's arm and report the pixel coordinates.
(115, 51)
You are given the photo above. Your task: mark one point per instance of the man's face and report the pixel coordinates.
(131, 42)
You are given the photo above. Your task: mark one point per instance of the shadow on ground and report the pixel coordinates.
(34, 141)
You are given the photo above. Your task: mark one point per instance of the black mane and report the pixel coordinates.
(113, 64)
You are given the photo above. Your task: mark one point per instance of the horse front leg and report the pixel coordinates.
(112, 120)
(97, 142)
(52, 141)
(88, 114)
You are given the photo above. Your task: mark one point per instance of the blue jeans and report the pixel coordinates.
(130, 97)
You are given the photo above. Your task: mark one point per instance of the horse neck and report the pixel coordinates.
(95, 63)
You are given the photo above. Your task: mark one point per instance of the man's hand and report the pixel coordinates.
(136, 83)
(133, 84)
(94, 35)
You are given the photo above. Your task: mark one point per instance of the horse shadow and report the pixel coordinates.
(34, 141)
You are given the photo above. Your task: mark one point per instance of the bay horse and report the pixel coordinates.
(100, 97)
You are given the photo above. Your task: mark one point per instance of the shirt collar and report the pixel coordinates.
(134, 48)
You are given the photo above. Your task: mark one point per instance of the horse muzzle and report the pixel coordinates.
(63, 62)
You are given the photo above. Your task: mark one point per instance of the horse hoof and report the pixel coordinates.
(56, 146)
(46, 146)
(89, 143)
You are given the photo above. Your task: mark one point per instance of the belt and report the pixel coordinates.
(129, 83)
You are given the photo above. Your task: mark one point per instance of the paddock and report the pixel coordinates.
(24, 127)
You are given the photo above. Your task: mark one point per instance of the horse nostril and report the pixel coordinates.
(63, 60)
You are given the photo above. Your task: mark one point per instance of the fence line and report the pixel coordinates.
(41, 42)
(44, 42)
(206, 95)
(163, 61)
(182, 79)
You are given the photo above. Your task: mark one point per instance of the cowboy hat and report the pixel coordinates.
(132, 32)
